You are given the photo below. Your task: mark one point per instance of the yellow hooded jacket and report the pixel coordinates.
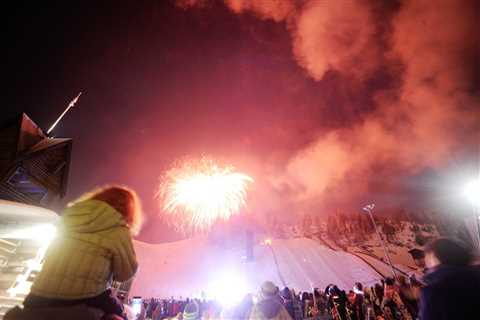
(92, 246)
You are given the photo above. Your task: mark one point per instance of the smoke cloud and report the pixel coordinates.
(430, 49)
(277, 10)
(335, 35)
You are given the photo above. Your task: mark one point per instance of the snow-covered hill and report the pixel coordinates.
(360, 239)
(300, 258)
(196, 268)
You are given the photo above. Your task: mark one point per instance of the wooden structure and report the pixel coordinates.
(33, 167)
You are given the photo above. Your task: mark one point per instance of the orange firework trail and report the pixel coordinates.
(196, 194)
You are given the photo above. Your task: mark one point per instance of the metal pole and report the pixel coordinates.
(383, 243)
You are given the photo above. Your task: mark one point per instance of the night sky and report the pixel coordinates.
(326, 104)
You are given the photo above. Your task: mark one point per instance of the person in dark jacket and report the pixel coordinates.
(288, 301)
(358, 301)
(452, 288)
(392, 305)
(337, 300)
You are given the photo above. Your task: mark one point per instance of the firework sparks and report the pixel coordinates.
(196, 194)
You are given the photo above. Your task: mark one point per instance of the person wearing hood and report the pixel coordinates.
(452, 288)
(93, 246)
(269, 306)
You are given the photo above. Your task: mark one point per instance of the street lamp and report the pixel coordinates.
(369, 208)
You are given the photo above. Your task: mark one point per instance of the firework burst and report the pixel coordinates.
(196, 194)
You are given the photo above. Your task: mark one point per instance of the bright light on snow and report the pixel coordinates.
(228, 288)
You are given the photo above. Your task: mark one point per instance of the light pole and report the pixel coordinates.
(369, 208)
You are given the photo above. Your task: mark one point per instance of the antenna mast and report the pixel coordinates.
(70, 105)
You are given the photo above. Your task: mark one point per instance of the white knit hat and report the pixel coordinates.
(268, 289)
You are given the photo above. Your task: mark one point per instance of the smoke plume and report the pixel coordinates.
(335, 35)
(429, 48)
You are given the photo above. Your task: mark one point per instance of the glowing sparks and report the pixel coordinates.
(196, 194)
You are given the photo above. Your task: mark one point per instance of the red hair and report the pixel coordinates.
(122, 199)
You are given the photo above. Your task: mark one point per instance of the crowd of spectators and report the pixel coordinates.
(388, 299)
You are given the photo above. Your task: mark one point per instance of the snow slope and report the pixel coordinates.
(193, 267)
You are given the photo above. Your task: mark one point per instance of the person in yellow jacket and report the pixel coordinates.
(93, 246)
